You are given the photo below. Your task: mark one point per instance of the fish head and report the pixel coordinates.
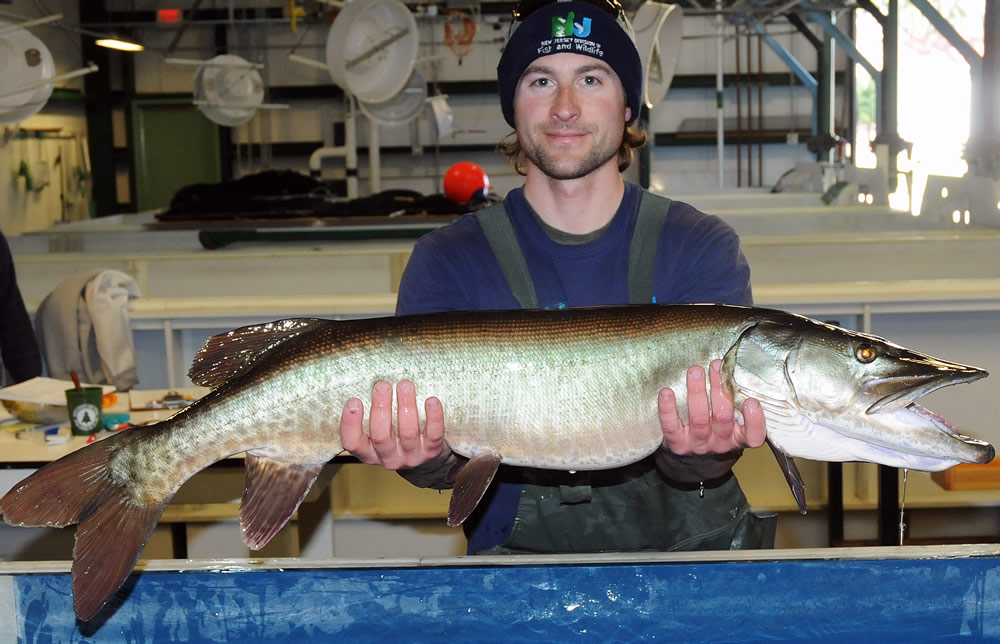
(834, 394)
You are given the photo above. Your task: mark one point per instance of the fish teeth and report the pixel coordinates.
(920, 410)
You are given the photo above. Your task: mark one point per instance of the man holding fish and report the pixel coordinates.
(577, 235)
(570, 399)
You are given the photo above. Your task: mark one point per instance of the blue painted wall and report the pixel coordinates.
(819, 600)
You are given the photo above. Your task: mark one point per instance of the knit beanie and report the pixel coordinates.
(573, 27)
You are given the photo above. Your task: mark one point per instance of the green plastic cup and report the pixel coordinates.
(85, 410)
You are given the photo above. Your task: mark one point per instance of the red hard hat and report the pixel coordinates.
(465, 180)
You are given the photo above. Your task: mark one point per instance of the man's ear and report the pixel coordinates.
(628, 114)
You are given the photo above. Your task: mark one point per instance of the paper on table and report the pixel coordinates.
(46, 391)
(176, 398)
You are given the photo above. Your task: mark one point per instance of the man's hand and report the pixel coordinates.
(406, 447)
(711, 428)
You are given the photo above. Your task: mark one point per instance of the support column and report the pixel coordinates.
(100, 138)
(888, 127)
(826, 93)
(982, 151)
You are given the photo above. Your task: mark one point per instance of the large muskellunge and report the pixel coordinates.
(827, 394)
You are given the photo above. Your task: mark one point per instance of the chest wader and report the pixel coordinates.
(634, 507)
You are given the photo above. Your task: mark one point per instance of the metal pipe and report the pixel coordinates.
(824, 99)
(351, 143)
(739, 114)
(180, 32)
(749, 86)
(890, 68)
(374, 158)
(982, 151)
(804, 76)
(349, 152)
(31, 23)
(194, 62)
(49, 81)
(945, 29)
(989, 110)
(760, 112)
(307, 61)
(846, 42)
(720, 128)
(247, 106)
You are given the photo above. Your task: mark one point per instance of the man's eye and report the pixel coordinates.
(591, 80)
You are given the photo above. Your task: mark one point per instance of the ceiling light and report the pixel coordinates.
(119, 44)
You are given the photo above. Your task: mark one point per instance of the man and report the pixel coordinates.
(18, 346)
(570, 81)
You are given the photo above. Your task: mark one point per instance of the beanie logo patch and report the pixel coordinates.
(561, 27)
(570, 36)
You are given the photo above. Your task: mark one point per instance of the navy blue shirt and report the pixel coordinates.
(453, 269)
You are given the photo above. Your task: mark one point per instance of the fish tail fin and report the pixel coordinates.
(113, 524)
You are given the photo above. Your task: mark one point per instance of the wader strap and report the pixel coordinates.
(503, 241)
(645, 242)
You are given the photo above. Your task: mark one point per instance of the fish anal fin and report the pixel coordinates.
(792, 476)
(272, 492)
(470, 485)
(227, 355)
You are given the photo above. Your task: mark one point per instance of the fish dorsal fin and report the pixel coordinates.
(470, 485)
(227, 355)
(272, 492)
(792, 476)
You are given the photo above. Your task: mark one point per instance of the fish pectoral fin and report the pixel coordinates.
(792, 475)
(272, 491)
(470, 485)
(227, 355)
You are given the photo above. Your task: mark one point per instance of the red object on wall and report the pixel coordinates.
(169, 16)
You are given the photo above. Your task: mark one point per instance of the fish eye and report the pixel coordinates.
(865, 353)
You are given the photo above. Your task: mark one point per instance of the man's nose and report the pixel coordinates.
(567, 103)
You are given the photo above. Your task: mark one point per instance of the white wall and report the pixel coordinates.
(58, 155)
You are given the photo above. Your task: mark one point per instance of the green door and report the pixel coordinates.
(174, 145)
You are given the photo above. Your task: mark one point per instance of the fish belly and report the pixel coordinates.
(555, 406)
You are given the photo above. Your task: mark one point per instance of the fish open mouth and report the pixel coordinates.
(913, 388)
(920, 438)
(986, 449)
(925, 453)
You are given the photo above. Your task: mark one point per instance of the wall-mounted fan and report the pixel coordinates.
(371, 49)
(26, 72)
(659, 29)
(228, 89)
(402, 108)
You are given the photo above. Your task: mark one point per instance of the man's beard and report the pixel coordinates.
(551, 167)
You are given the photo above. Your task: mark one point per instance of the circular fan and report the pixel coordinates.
(228, 90)
(25, 61)
(401, 108)
(371, 49)
(658, 31)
